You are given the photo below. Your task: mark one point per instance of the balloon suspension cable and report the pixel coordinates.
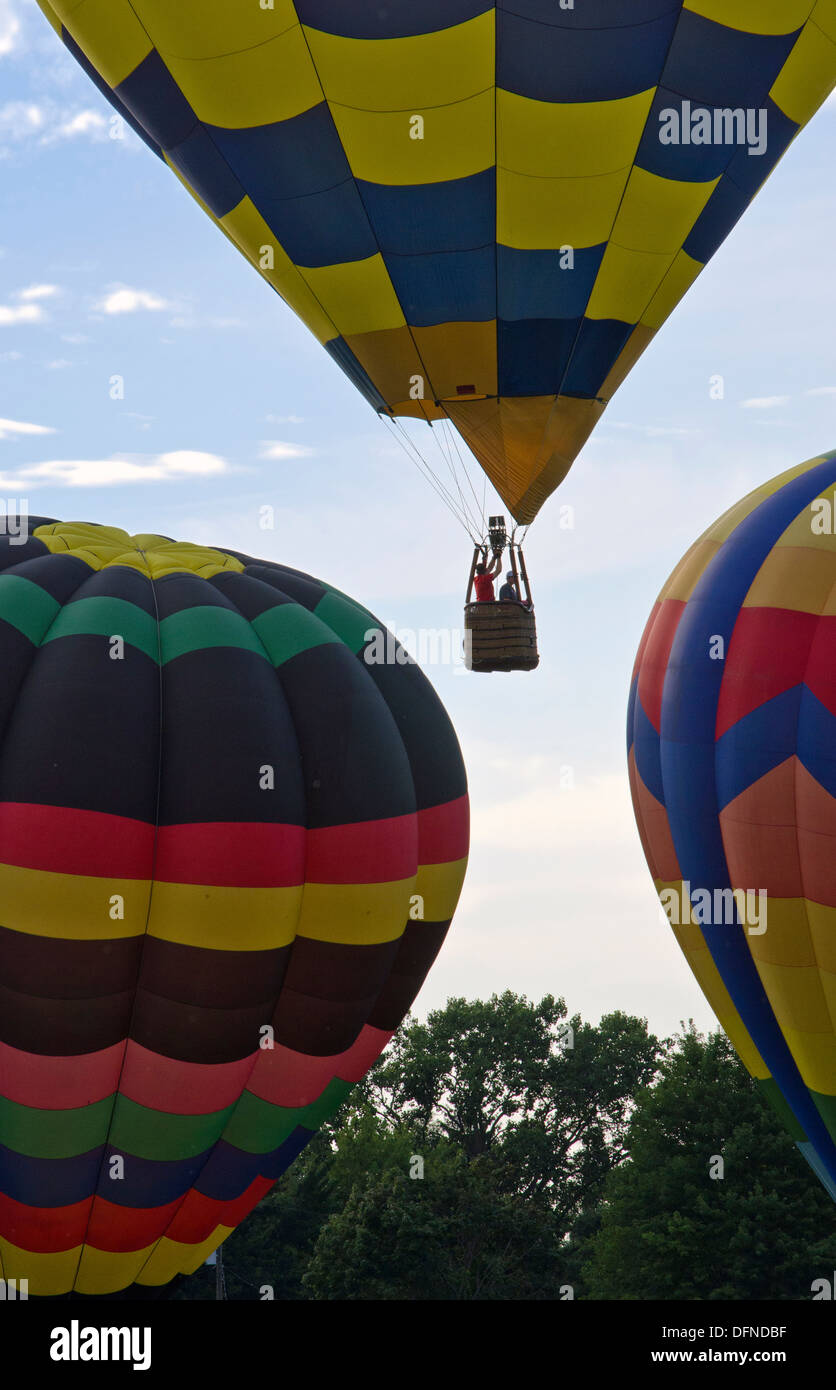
(414, 454)
(444, 441)
(480, 507)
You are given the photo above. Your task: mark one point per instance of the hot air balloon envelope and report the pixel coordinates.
(482, 210)
(732, 750)
(230, 848)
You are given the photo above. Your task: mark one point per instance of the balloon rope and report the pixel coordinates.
(414, 454)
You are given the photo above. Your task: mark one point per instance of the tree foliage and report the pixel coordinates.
(503, 1150)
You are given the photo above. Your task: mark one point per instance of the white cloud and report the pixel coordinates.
(821, 391)
(38, 292)
(764, 402)
(285, 419)
(21, 119)
(11, 428)
(46, 123)
(20, 313)
(10, 356)
(59, 364)
(122, 300)
(118, 471)
(74, 338)
(9, 27)
(656, 431)
(279, 449)
(85, 122)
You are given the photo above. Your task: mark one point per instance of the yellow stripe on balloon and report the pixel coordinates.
(754, 16)
(72, 907)
(358, 296)
(173, 1257)
(795, 578)
(246, 227)
(788, 938)
(626, 282)
(214, 918)
(213, 27)
(824, 17)
(439, 885)
(815, 1056)
(682, 582)
(577, 139)
(546, 213)
(799, 999)
(656, 214)
(103, 1271)
(455, 141)
(110, 35)
(459, 354)
(355, 914)
(693, 946)
(807, 77)
(418, 73)
(49, 1273)
(239, 90)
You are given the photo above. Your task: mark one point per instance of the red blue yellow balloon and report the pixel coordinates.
(732, 751)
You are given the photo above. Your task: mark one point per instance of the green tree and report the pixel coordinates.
(448, 1234)
(546, 1098)
(669, 1230)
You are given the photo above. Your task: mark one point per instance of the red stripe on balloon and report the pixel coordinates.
(59, 1083)
(43, 1230)
(199, 1215)
(181, 1088)
(654, 827)
(444, 832)
(63, 840)
(369, 851)
(820, 675)
(226, 854)
(121, 1230)
(657, 649)
(293, 1079)
(767, 655)
(648, 628)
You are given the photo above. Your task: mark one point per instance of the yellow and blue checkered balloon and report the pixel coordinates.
(484, 211)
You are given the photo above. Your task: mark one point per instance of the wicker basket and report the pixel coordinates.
(500, 636)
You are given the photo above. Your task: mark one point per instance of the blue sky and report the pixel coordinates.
(107, 267)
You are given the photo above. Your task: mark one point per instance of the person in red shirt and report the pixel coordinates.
(483, 578)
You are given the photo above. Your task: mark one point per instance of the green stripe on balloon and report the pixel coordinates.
(27, 606)
(288, 629)
(258, 1127)
(347, 619)
(160, 1135)
(195, 629)
(54, 1133)
(108, 617)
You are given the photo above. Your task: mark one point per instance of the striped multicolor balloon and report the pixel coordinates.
(230, 849)
(732, 750)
